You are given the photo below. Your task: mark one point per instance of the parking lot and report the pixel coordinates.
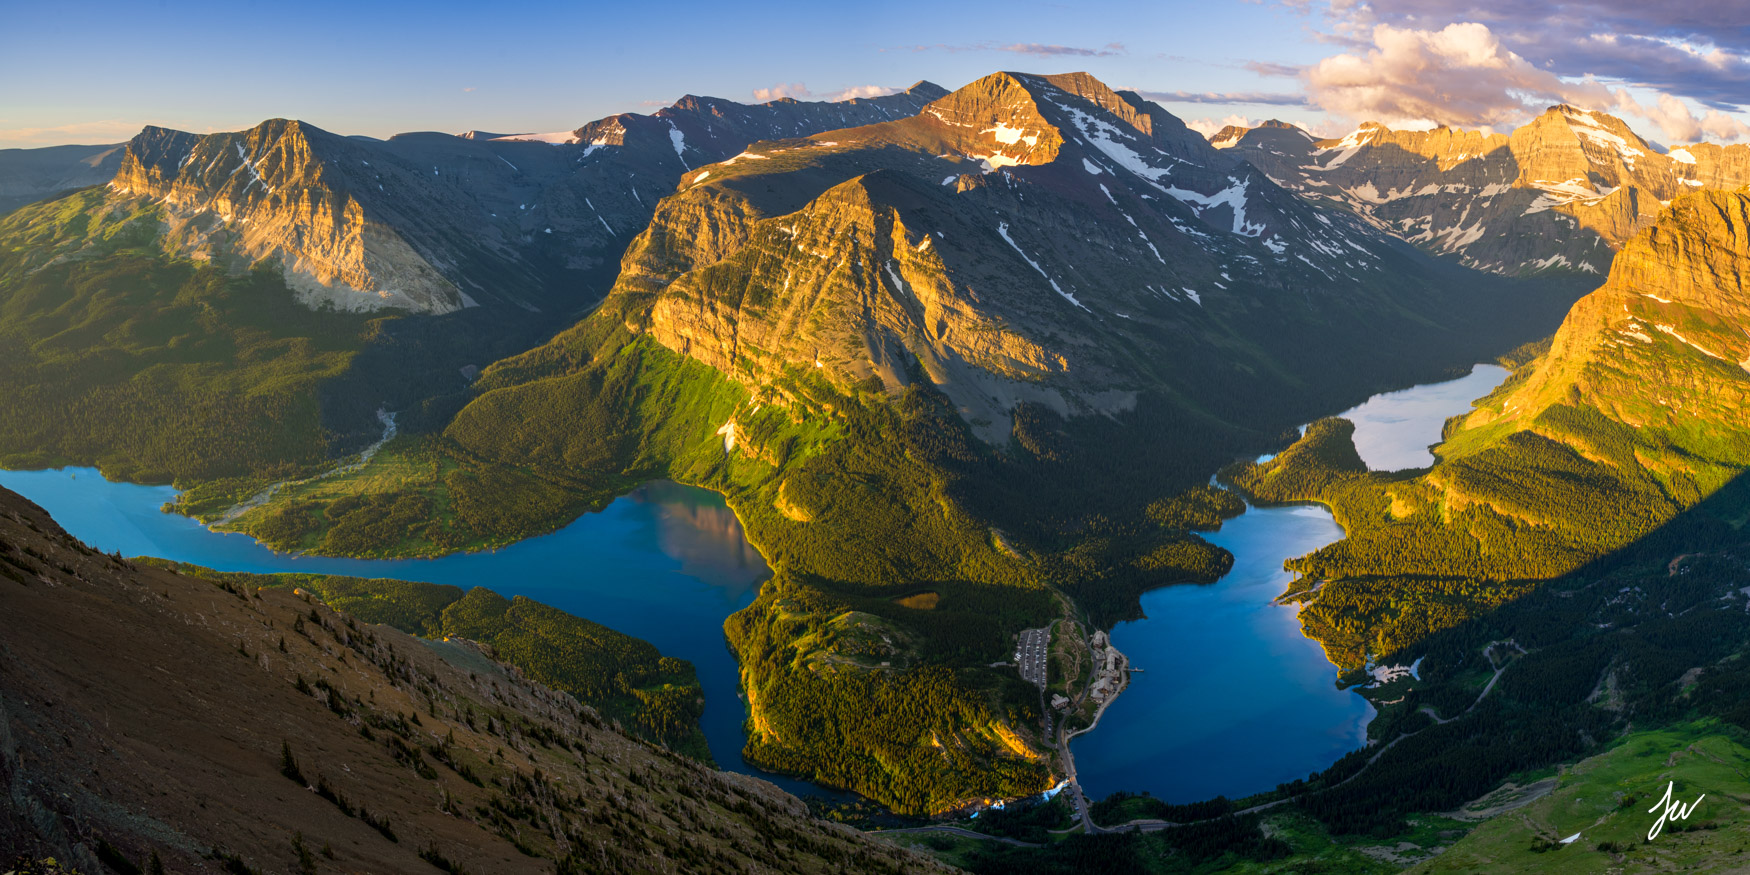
(1032, 653)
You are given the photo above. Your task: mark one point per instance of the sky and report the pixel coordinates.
(98, 71)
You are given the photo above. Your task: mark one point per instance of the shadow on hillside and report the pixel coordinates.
(1648, 635)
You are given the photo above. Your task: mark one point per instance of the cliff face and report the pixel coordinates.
(433, 223)
(152, 714)
(1036, 239)
(272, 192)
(1662, 345)
(1562, 192)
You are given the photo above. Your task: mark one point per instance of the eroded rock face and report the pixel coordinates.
(265, 193)
(1663, 343)
(1562, 192)
(433, 223)
(1026, 239)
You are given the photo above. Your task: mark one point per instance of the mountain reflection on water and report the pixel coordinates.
(696, 528)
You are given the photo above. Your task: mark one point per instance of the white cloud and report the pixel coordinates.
(793, 90)
(1462, 75)
(862, 91)
(98, 132)
(800, 91)
(1459, 75)
(1209, 127)
(1678, 122)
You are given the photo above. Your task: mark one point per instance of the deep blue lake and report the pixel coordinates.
(1233, 699)
(666, 563)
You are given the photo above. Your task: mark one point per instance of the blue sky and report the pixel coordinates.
(97, 71)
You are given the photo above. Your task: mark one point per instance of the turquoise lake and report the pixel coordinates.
(1233, 699)
(666, 563)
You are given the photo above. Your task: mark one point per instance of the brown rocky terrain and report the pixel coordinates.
(149, 719)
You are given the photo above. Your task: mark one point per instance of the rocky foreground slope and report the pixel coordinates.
(1561, 193)
(151, 719)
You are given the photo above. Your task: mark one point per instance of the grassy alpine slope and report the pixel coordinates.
(1635, 413)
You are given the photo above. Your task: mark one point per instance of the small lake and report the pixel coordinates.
(1233, 699)
(666, 563)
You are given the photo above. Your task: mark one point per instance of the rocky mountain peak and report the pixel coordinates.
(1228, 137)
(998, 121)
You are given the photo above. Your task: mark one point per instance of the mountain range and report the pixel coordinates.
(432, 223)
(1561, 193)
(962, 362)
(29, 175)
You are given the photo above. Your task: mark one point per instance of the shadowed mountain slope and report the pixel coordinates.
(30, 175)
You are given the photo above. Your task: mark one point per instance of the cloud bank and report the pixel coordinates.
(800, 91)
(1466, 75)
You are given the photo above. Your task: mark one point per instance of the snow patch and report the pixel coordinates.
(1672, 330)
(1009, 136)
(1003, 230)
(680, 143)
(1233, 196)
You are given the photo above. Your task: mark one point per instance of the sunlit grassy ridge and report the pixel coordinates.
(1606, 800)
(1636, 412)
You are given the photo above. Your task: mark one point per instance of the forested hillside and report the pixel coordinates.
(1635, 414)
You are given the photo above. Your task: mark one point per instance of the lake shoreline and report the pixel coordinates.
(1323, 720)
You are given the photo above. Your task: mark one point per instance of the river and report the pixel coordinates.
(1233, 699)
